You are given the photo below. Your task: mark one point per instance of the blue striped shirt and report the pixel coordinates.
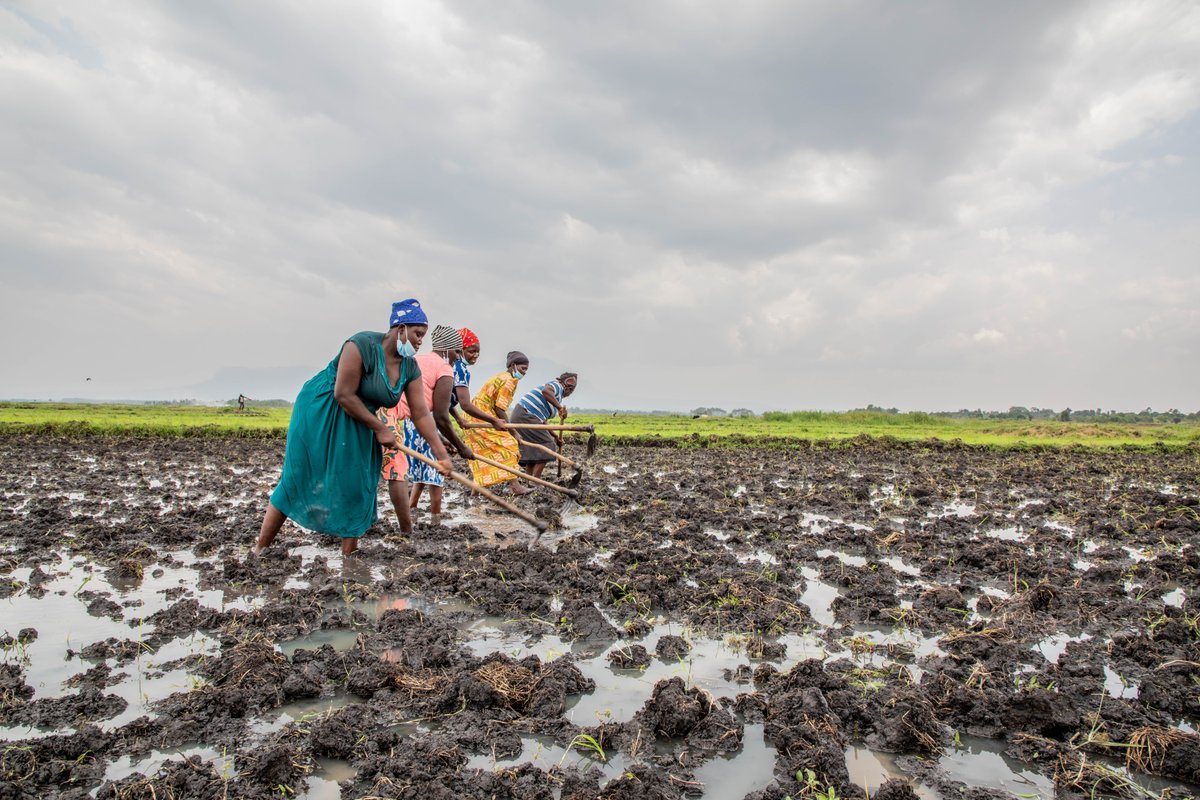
(537, 405)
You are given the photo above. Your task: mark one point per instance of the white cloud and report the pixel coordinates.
(988, 336)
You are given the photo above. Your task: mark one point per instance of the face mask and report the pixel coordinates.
(404, 347)
(516, 374)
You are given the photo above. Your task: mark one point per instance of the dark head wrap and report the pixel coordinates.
(517, 357)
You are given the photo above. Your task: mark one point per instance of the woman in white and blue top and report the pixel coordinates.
(537, 407)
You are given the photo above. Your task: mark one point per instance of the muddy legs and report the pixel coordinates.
(272, 521)
(435, 502)
(398, 491)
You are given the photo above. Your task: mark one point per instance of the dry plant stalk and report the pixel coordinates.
(979, 676)
(987, 633)
(512, 682)
(889, 540)
(415, 684)
(1090, 779)
(1148, 747)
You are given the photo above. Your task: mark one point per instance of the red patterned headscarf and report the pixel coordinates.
(469, 337)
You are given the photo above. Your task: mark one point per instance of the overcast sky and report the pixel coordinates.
(775, 205)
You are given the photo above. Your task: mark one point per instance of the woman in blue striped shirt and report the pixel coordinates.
(537, 407)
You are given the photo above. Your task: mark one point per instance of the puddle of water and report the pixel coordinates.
(1176, 597)
(1135, 554)
(735, 775)
(992, 591)
(882, 636)
(543, 752)
(341, 639)
(298, 710)
(147, 765)
(898, 564)
(819, 523)
(845, 558)
(1054, 646)
(141, 691)
(344, 638)
(871, 770)
(719, 535)
(494, 524)
(1118, 687)
(955, 508)
(62, 621)
(1010, 534)
(600, 559)
(620, 693)
(1061, 527)
(759, 556)
(323, 782)
(577, 522)
(981, 762)
(818, 596)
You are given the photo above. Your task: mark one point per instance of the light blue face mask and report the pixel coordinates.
(404, 347)
(516, 374)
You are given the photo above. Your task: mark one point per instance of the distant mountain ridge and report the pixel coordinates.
(260, 383)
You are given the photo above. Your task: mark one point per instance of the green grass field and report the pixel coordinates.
(906, 427)
(161, 420)
(150, 420)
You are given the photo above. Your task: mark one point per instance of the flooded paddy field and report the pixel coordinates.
(872, 619)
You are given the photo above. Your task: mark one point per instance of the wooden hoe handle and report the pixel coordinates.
(525, 477)
(540, 524)
(550, 452)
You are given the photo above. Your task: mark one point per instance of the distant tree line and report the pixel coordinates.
(1065, 415)
(1077, 415)
(703, 411)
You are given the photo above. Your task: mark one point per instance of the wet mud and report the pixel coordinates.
(821, 621)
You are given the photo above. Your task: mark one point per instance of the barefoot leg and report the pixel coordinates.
(399, 494)
(272, 522)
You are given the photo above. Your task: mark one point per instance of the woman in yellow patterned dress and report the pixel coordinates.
(494, 398)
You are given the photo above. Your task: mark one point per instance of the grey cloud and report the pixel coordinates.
(868, 196)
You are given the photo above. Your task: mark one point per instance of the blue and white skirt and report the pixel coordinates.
(419, 471)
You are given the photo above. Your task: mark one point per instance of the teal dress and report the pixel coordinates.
(332, 464)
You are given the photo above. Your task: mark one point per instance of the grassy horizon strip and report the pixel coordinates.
(187, 421)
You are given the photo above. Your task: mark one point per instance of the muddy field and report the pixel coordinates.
(813, 622)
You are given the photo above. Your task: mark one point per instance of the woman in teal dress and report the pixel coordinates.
(334, 445)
